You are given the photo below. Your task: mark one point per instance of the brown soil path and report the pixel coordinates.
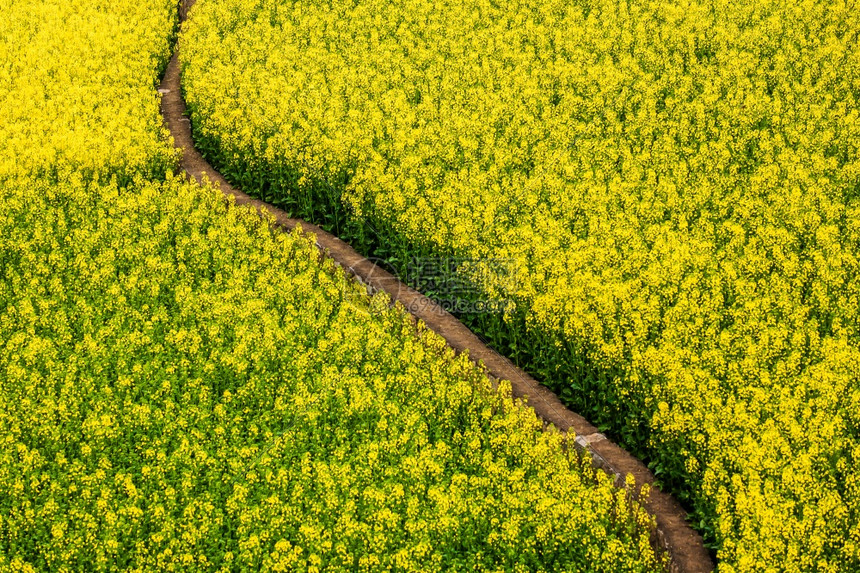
(685, 546)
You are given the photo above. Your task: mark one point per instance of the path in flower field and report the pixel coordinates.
(676, 536)
(673, 185)
(184, 388)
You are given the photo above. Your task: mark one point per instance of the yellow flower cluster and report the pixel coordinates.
(184, 389)
(676, 180)
(77, 88)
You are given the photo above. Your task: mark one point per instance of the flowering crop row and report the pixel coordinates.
(183, 389)
(676, 182)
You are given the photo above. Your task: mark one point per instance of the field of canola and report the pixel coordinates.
(183, 389)
(676, 182)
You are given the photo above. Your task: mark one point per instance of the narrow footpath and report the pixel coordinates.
(684, 546)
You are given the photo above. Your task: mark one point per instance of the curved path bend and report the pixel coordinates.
(684, 546)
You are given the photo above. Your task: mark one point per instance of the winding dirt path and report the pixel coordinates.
(684, 546)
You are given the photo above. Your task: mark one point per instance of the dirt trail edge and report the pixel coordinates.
(684, 546)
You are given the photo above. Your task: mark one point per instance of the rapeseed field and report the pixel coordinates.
(183, 388)
(675, 182)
